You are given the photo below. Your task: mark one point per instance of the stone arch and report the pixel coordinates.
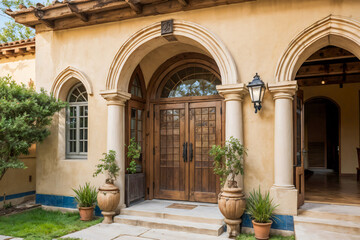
(149, 38)
(66, 79)
(332, 30)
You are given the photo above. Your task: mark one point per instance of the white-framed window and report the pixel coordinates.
(77, 123)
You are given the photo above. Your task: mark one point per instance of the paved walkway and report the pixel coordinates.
(2, 237)
(118, 231)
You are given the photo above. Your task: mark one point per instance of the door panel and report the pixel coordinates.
(205, 131)
(299, 176)
(184, 134)
(171, 172)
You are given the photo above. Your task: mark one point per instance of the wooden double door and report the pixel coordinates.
(184, 134)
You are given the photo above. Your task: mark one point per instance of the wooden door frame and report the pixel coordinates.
(299, 170)
(152, 98)
(138, 103)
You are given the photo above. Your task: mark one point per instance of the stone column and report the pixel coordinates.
(234, 95)
(283, 190)
(116, 133)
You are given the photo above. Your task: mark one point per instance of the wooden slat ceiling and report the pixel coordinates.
(329, 65)
(76, 13)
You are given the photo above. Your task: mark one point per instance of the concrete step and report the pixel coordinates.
(338, 226)
(172, 225)
(173, 216)
(329, 211)
(314, 233)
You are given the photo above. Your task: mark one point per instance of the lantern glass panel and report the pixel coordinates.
(256, 93)
(262, 93)
(251, 94)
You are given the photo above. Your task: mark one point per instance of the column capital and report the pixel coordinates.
(232, 92)
(115, 97)
(283, 90)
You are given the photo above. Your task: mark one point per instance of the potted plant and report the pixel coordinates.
(108, 197)
(134, 180)
(228, 163)
(261, 209)
(86, 199)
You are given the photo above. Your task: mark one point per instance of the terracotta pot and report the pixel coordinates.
(262, 230)
(86, 213)
(108, 199)
(232, 205)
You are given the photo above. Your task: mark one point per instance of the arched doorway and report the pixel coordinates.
(325, 157)
(187, 120)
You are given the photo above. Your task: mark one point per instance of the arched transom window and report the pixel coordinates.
(77, 123)
(191, 81)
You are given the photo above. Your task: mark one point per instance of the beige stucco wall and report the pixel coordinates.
(347, 98)
(22, 69)
(256, 35)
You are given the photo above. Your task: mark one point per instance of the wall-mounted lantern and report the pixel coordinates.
(256, 90)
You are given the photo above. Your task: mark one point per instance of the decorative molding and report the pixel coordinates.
(66, 75)
(115, 97)
(121, 69)
(332, 30)
(283, 90)
(233, 92)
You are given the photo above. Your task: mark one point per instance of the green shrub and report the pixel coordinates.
(134, 151)
(109, 166)
(259, 207)
(228, 160)
(86, 195)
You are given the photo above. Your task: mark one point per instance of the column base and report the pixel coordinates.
(287, 199)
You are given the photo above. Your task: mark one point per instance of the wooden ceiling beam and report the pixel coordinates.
(20, 50)
(73, 8)
(325, 75)
(7, 52)
(183, 2)
(103, 11)
(40, 14)
(136, 7)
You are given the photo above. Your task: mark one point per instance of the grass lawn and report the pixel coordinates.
(41, 224)
(251, 237)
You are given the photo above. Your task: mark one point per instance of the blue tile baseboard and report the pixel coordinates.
(17, 195)
(60, 201)
(283, 222)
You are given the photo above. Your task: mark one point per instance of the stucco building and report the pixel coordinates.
(175, 71)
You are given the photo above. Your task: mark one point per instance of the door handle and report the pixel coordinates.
(191, 152)
(185, 151)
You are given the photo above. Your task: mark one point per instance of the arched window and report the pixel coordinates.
(135, 119)
(190, 81)
(77, 123)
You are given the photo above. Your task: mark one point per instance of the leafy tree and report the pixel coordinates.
(24, 119)
(13, 31)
